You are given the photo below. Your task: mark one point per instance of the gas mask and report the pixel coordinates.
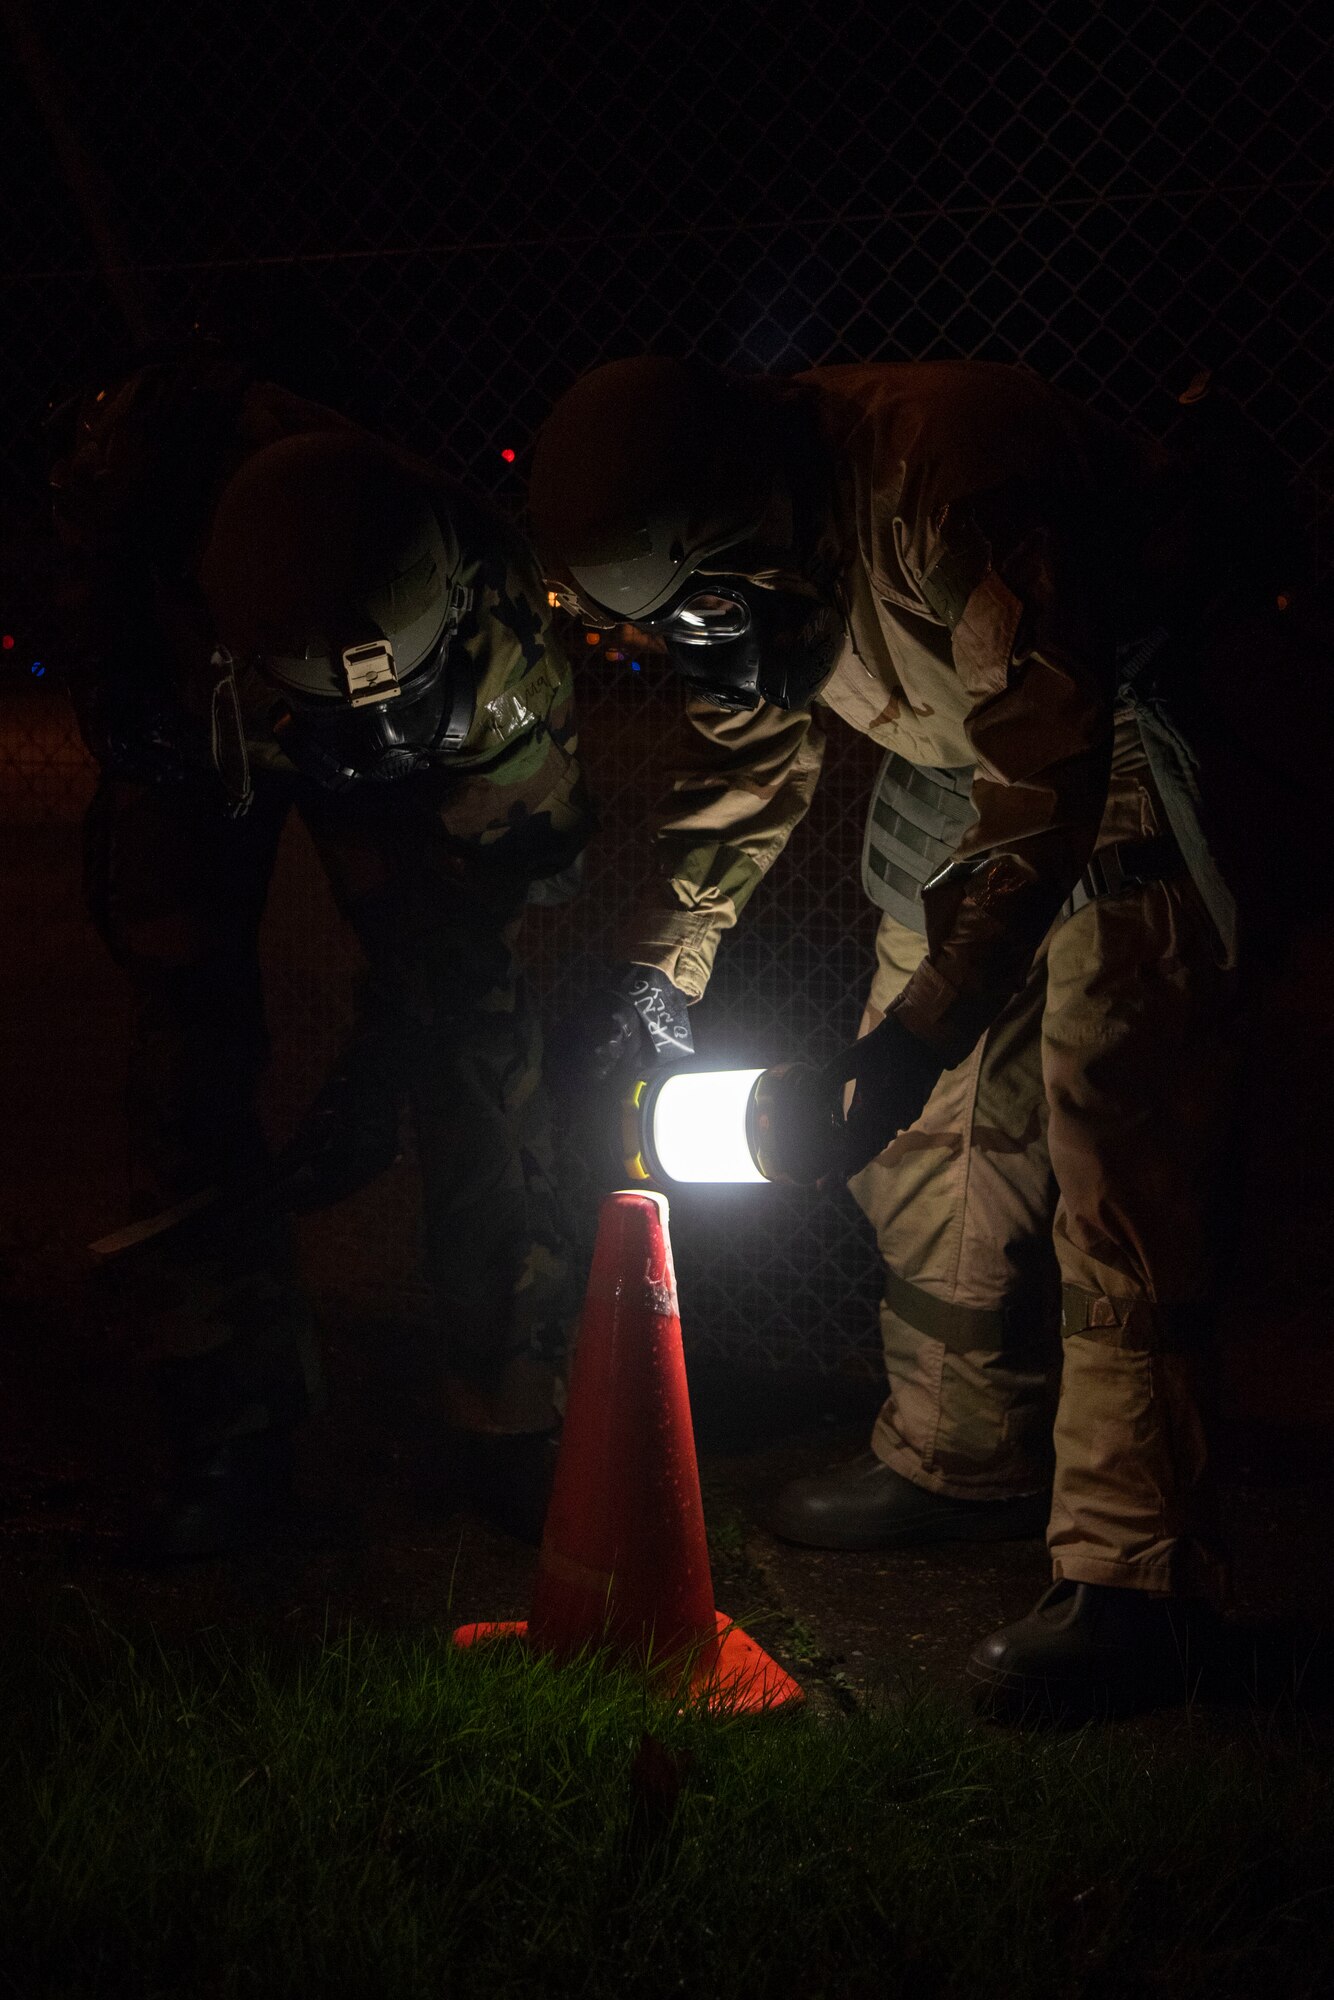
(737, 643)
(386, 728)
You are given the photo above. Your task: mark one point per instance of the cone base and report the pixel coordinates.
(740, 1677)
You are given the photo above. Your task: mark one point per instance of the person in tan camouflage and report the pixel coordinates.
(279, 612)
(1011, 595)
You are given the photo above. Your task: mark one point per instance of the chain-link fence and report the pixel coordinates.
(435, 218)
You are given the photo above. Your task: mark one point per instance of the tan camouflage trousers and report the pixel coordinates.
(1048, 1230)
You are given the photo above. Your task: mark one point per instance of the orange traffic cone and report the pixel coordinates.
(624, 1561)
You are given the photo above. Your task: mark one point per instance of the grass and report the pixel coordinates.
(385, 1815)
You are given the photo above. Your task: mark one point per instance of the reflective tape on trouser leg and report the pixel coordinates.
(971, 1393)
(1131, 1505)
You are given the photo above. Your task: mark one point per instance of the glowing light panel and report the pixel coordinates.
(699, 1126)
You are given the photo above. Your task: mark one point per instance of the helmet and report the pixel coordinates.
(330, 569)
(643, 470)
(653, 482)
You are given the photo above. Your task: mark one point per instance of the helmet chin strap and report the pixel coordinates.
(227, 741)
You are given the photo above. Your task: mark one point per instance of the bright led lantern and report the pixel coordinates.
(697, 1126)
(738, 1125)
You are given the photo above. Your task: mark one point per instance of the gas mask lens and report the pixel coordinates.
(709, 619)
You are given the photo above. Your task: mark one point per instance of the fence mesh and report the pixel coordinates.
(435, 218)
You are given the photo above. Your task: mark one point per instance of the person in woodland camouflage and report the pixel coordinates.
(1016, 599)
(278, 612)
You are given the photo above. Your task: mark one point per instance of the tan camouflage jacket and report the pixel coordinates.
(982, 525)
(132, 504)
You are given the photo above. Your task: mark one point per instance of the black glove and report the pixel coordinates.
(895, 1073)
(638, 1018)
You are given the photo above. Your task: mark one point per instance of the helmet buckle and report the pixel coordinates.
(369, 673)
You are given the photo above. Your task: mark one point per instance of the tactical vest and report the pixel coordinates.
(918, 816)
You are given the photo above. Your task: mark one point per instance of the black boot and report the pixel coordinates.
(225, 1501)
(1089, 1649)
(866, 1505)
(504, 1477)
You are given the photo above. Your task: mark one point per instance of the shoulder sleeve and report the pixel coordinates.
(526, 798)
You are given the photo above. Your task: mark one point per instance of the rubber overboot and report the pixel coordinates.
(1089, 1649)
(223, 1502)
(504, 1477)
(864, 1504)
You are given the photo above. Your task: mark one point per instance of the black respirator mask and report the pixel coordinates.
(386, 728)
(737, 643)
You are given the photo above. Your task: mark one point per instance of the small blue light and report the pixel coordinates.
(635, 667)
(38, 668)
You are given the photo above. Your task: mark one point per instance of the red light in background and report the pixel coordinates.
(592, 638)
(8, 642)
(508, 455)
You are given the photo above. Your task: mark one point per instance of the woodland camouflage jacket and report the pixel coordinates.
(133, 499)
